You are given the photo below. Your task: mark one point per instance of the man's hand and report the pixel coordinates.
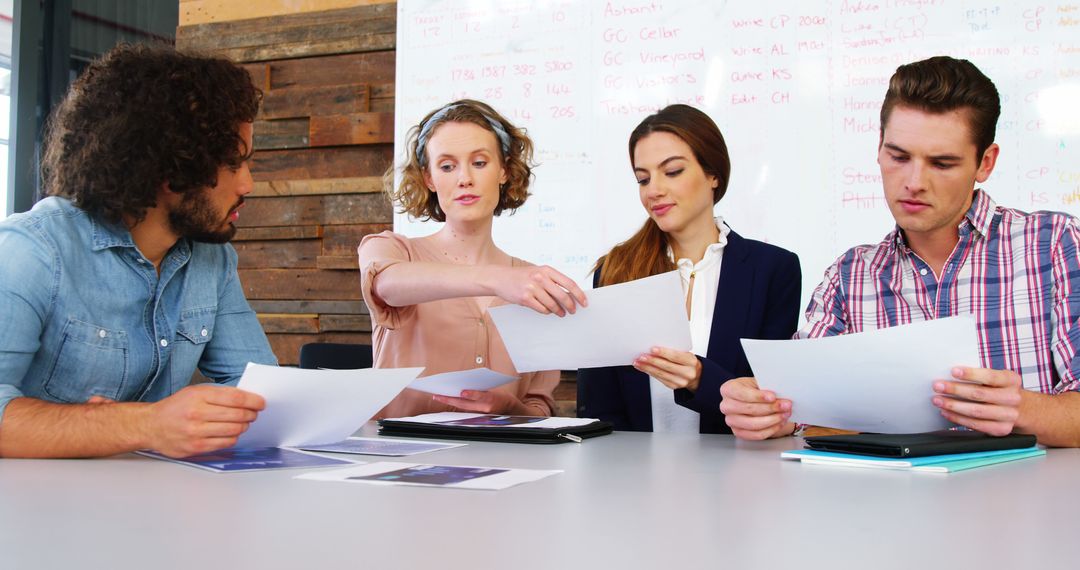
(983, 399)
(753, 413)
(487, 402)
(200, 419)
(541, 289)
(674, 368)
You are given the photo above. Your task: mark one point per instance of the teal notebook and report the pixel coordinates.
(931, 463)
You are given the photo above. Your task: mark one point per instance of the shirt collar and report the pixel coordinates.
(981, 213)
(979, 218)
(105, 235)
(713, 249)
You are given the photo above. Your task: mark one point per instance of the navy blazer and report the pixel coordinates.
(757, 297)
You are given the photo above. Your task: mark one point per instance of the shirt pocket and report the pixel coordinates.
(91, 361)
(196, 326)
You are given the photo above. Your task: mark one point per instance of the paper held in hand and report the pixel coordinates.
(317, 406)
(877, 381)
(621, 322)
(452, 383)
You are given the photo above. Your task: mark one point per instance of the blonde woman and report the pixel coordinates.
(429, 296)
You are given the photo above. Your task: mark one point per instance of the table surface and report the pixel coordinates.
(627, 500)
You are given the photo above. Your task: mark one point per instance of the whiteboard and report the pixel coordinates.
(795, 86)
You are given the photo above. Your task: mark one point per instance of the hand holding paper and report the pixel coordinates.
(317, 406)
(452, 383)
(752, 413)
(877, 381)
(984, 400)
(621, 322)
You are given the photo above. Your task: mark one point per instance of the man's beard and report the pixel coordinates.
(196, 219)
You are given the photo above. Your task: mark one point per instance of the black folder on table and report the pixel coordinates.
(918, 444)
(493, 427)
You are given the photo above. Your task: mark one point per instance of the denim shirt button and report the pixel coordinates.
(164, 343)
(204, 332)
(102, 334)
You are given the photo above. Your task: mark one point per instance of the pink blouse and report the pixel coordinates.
(442, 336)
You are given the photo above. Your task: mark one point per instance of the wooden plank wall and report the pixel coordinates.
(323, 139)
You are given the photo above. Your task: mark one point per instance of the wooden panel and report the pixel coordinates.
(356, 128)
(260, 75)
(344, 323)
(288, 284)
(339, 262)
(382, 97)
(195, 12)
(340, 162)
(373, 67)
(289, 323)
(353, 44)
(325, 209)
(308, 101)
(567, 388)
(287, 346)
(356, 185)
(282, 133)
(343, 240)
(275, 233)
(300, 307)
(295, 254)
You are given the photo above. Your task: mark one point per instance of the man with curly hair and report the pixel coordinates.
(115, 288)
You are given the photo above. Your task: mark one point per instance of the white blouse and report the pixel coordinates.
(667, 416)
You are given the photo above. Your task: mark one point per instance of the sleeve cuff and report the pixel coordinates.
(7, 394)
(706, 399)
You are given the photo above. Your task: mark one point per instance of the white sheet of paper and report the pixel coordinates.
(511, 421)
(876, 381)
(452, 383)
(426, 475)
(621, 322)
(317, 406)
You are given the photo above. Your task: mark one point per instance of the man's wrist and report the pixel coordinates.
(138, 424)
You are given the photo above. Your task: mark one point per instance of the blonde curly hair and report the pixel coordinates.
(413, 197)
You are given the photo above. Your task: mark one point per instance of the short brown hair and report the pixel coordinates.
(412, 195)
(140, 116)
(941, 84)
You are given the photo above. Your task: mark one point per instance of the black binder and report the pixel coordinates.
(507, 434)
(918, 444)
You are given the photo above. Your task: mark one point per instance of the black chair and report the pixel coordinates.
(336, 356)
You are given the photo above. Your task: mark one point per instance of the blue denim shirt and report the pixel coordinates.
(83, 313)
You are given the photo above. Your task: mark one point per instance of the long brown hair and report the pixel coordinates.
(645, 253)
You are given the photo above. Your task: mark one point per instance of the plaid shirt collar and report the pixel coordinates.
(979, 218)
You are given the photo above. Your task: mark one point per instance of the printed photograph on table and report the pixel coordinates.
(431, 475)
(256, 459)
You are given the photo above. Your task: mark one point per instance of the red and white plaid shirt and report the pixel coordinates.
(1018, 273)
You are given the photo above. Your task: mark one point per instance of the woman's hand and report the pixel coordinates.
(487, 402)
(674, 368)
(540, 288)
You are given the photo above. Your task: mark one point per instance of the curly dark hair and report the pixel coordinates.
(143, 115)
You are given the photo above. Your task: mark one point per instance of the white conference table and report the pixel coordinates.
(626, 500)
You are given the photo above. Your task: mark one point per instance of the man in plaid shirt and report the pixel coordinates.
(954, 251)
